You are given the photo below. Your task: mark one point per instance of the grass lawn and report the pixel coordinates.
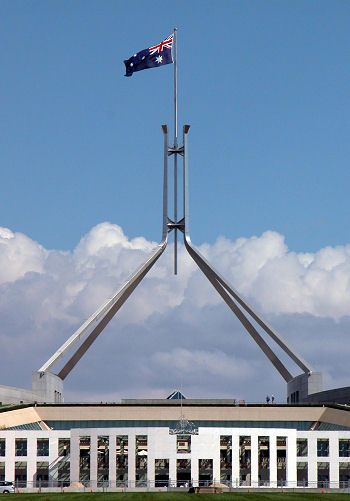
(182, 496)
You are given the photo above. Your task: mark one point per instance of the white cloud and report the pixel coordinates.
(171, 326)
(18, 256)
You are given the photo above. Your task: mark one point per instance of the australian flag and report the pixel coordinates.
(155, 56)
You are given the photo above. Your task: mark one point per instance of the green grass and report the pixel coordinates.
(183, 496)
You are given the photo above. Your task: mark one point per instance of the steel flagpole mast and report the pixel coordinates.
(175, 148)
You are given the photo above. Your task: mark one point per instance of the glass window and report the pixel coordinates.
(84, 460)
(301, 447)
(122, 457)
(183, 444)
(141, 460)
(21, 473)
(102, 461)
(281, 461)
(63, 447)
(21, 447)
(205, 472)
(2, 471)
(161, 469)
(344, 448)
(322, 475)
(264, 461)
(42, 447)
(2, 447)
(302, 474)
(225, 459)
(344, 475)
(322, 447)
(245, 460)
(42, 474)
(183, 472)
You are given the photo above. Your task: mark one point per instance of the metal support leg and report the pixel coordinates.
(230, 296)
(123, 295)
(99, 320)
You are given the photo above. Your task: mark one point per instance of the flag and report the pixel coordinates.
(154, 56)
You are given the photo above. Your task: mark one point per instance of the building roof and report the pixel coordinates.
(202, 412)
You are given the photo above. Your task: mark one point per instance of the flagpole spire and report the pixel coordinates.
(175, 147)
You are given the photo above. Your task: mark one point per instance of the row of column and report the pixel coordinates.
(209, 449)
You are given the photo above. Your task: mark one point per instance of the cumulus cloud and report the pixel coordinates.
(173, 329)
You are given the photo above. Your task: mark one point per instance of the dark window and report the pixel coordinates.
(42, 447)
(21, 447)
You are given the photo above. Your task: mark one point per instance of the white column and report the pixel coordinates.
(74, 458)
(53, 449)
(10, 458)
(254, 461)
(131, 460)
(235, 460)
(53, 455)
(93, 460)
(172, 471)
(195, 470)
(291, 458)
(112, 473)
(273, 460)
(334, 461)
(151, 473)
(312, 463)
(216, 465)
(31, 460)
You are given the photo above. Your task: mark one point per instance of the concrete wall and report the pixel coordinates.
(299, 389)
(12, 395)
(46, 388)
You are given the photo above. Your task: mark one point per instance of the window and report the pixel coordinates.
(302, 447)
(141, 460)
(84, 460)
(225, 459)
(42, 474)
(322, 447)
(42, 447)
(161, 469)
(2, 471)
(21, 473)
(245, 460)
(264, 460)
(122, 460)
(302, 474)
(63, 447)
(183, 472)
(21, 447)
(183, 444)
(205, 472)
(102, 461)
(344, 448)
(281, 461)
(344, 475)
(322, 475)
(2, 447)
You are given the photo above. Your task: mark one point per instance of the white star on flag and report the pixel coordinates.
(159, 59)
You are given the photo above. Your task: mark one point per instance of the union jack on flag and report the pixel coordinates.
(157, 55)
(165, 44)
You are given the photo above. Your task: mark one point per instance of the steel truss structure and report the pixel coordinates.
(93, 327)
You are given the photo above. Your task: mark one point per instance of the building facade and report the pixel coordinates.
(140, 444)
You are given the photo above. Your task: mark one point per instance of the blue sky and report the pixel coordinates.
(265, 88)
(264, 85)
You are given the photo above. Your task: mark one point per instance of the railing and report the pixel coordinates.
(227, 486)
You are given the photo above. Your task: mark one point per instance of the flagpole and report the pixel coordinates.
(175, 148)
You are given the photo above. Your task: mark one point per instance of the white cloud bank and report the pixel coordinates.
(176, 327)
